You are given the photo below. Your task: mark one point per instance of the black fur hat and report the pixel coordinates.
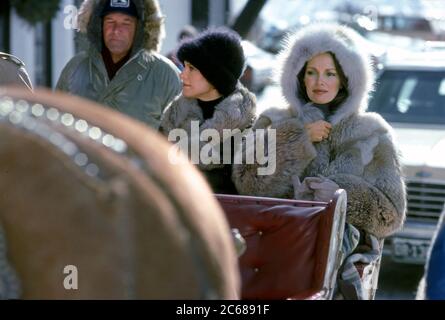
(218, 55)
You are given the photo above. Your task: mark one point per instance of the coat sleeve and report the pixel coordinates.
(292, 154)
(167, 123)
(239, 115)
(62, 83)
(371, 174)
(232, 120)
(435, 276)
(74, 74)
(67, 75)
(170, 84)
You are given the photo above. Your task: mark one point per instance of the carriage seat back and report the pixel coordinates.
(292, 246)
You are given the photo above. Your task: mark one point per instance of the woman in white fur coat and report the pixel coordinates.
(211, 102)
(325, 139)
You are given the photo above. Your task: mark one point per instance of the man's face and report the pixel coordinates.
(118, 33)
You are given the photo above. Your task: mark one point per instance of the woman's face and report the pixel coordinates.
(195, 86)
(321, 79)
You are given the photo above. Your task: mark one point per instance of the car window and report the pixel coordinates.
(410, 96)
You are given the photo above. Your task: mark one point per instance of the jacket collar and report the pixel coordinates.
(133, 69)
(240, 98)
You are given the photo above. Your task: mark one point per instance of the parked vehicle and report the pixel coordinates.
(259, 68)
(410, 95)
(414, 19)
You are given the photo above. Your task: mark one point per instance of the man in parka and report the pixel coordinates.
(12, 72)
(122, 68)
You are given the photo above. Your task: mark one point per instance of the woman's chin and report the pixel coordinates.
(321, 101)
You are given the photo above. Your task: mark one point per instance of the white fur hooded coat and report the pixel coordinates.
(359, 155)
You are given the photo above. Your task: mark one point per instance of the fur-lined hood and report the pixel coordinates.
(150, 27)
(346, 45)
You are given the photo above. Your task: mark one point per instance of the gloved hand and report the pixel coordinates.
(302, 190)
(314, 188)
(323, 188)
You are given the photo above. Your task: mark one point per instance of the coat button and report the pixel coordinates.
(139, 77)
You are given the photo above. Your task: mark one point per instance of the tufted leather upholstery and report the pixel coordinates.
(292, 245)
(85, 186)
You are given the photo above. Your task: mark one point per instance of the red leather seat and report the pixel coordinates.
(292, 246)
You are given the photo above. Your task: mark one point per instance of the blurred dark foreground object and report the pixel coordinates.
(88, 189)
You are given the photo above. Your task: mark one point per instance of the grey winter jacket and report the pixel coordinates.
(237, 111)
(144, 86)
(359, 155)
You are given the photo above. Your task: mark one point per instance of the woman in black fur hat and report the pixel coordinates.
(212, 98)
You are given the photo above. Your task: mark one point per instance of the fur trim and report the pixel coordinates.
(345, 44)
(237, 111)
(272, 115)
(150, 28)
(360, 156)
(293, 153)
(84, 16)
(368, 208)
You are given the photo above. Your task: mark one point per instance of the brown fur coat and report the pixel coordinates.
(360, 155)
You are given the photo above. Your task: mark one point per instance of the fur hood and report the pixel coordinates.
(345, 44)
(150, 27)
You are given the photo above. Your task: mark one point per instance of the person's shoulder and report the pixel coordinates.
(369, 123)
(75, 63)
(276, 114)
(78, 58)
(159, 61)
(374, 119)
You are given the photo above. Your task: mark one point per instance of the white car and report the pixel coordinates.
(410, 95)
(261, 64)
